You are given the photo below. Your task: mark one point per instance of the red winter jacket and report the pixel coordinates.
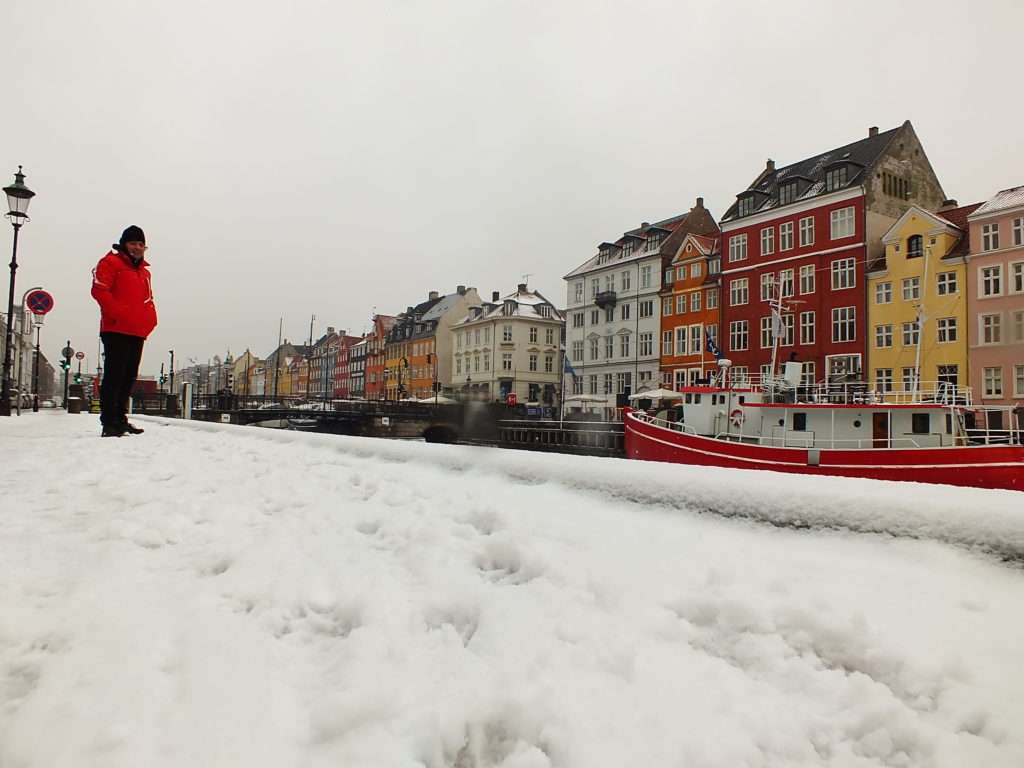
(125, 295)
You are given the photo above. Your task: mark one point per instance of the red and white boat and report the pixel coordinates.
(932, 435)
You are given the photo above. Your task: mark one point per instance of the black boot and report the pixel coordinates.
(112, 430)
(131, 429)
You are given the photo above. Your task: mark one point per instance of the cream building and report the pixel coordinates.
(509, 345)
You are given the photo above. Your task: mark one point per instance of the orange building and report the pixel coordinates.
(375, 357)
(689, 311)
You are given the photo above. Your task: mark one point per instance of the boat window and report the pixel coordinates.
(743, 399)
(696, 399)
(799, 422)
(689, 399)
(856, 423)
(949, 423)
(921, 423)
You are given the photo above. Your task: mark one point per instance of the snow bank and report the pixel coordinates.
(220, 596)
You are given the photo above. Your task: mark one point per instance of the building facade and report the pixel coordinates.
(917, 302)
(689, 312)
(375, 359)
(797, 244)
(509, 346)
(613, 310)
(995, 288)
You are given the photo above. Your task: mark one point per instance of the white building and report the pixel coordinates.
(613, 311)
(510, 345)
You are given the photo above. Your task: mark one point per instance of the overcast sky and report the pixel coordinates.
(337, 158)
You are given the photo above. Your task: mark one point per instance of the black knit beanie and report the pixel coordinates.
(132, 235)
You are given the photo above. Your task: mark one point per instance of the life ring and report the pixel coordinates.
(736, 417)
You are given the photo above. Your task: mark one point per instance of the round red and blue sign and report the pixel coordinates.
(39, 302)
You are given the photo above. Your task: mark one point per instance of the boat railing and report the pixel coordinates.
(858, 392)
(809, 439)
(677, 426)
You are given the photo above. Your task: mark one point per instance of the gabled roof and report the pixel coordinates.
(706, 246)
(1004, 200)
(861, 156)
(526, 305)
(958, 218)
(892, 233)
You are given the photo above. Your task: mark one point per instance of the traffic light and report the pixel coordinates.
(78, 378)
(65, 364)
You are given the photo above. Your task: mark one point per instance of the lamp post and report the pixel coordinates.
(18, 197)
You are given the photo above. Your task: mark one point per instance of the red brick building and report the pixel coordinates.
(803, 236)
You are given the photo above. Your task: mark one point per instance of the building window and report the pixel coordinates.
(786, 283)
(843, 274)
(681, 304)
(911, 288)
(549, 364)
(595, 286)
(767, 241)
(738, 335)
(593, 347)
(680, 273)
(577, 319)
(787, 193)
(646, 345)
(992, 280)
(947, 329)
(807, 331)
(1017, 277)
(807, 278)
(883, 293)
(695, 346)
(625, 311)
(506, 333)
(647, 308)
(990, 237)
(712, 299)
(668, 275)
(883, 379)
(808, 373)
(844, 324)
(506, 361)
(666, 343)
(624, 345)
(1017, 323)
(625, 280)
(577, 351)
(666, 307)
(786, 236)
(915, 247)
(910, 334)
(680, 340)
(738, 292)
(949, 374)
(607, 383)
(714, 266)
(645, 276)
(579, 291)
(695, 270)
(842, 223)
(835, 179)
(767, 286)
(458, 366)
(991, 329)
(533, 334)
(993, 382)
(1018, 381)
(746, 205)
(549, 335)
(766, 332)
(806, 231)
(946, 283)
(695, 301)
(577, 385)
(533, 362)
(907, 379)
(738, 248)
(883, 336)
(592, 382)
(609, 347)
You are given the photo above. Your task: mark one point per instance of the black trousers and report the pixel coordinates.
(121, 357)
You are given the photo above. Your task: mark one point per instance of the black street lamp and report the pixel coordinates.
(18, 196)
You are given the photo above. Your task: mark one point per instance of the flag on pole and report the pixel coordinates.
(567, 366)
(713, 348)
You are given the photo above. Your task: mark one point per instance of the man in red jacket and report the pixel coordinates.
(121, 286)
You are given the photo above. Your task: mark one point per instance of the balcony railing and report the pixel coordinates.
(605, 299)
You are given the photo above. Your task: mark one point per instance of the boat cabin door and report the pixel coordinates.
(880, 430)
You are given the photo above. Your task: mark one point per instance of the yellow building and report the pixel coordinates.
(922, 283)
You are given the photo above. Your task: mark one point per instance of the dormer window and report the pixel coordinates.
(787, 193)
(544, 310)
(835, 178)
(627, 248)
(653, 240)
(747, 205)
(509, 308)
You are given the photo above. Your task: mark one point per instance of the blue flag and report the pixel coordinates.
(567, 366)
(713, 348)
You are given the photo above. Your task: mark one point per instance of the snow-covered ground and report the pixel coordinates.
(206, 595)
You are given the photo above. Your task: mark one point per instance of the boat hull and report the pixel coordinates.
(981, 466)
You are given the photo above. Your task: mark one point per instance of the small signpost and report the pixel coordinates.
(39, 302)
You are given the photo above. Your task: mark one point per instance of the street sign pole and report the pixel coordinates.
(66, 353)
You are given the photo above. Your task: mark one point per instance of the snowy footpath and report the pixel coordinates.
(207, 595)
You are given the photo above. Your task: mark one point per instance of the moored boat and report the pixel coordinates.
(933, 434)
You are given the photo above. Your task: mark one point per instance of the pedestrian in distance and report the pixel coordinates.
(121, 286)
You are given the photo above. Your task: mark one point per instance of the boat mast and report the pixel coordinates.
(921, 317)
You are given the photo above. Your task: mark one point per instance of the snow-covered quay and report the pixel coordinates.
(209, 595)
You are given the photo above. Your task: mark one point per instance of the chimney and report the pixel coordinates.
(408, 311)
(521, 288)
(700, 202)
(461, 290)
(494, 295)
(644, 224)
(432, 295)
(770, 166)
(948, 205)
(330, 329)
(872, 131)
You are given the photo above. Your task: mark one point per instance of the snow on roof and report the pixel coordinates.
(1007, 198)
